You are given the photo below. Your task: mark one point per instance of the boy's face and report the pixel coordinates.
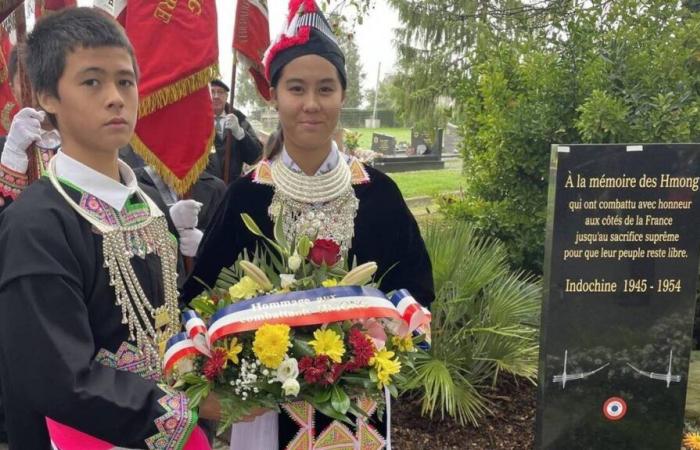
(98, 100)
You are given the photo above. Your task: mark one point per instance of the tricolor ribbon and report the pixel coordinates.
(416, 317)
(178, 347)
(302, 308)
(413, 313)
(197, 332)
(296, 309)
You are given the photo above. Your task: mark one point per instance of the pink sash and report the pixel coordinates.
(67, 438)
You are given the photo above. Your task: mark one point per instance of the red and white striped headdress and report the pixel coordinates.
(306, 32)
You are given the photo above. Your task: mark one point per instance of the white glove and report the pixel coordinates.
(231, 123)
(25, 129)
(189, 241)
(184, 213)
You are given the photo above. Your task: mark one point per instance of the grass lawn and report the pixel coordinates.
(401, 134)
(428, 182)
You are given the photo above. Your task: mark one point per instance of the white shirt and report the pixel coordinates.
(328, 164)
(110, 191)
(219, 125)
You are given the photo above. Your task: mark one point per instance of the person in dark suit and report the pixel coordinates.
(245, 146)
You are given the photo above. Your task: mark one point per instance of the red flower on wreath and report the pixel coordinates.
(325, 251)
(313, 369)
(362, 349)
(213, 367)
(336, 371)
(319, 370)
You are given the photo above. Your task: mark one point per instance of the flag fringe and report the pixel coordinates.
(181, 186)
(177, 90)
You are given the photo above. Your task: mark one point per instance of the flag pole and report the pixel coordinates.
(230, 142)
(27, 99)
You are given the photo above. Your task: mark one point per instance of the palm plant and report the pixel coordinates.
(485, 320)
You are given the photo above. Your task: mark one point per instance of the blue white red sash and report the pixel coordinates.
(300, 308)
(178, 347)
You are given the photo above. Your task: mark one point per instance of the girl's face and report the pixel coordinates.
(308, 98)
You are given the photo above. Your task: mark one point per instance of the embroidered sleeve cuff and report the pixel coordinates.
(11, 183)
(176, 425)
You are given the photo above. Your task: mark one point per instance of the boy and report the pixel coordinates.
(82, 319)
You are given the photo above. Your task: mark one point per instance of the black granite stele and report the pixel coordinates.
(420, 143)
(384, 144)
(614, 359)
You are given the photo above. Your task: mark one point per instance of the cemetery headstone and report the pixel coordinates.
(381, 143)
(419, 143)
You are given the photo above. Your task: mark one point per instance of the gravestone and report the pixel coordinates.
(381, 143)
(621, 266)
(419, 143)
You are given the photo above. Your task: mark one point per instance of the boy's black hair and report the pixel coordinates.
(57, 34)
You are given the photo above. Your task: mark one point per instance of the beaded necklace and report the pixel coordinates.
(322, 206)
(150, 327)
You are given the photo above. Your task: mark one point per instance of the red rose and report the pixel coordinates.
(325, 251)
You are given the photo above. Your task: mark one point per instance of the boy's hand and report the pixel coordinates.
(24, 130)
(210, 408)
(231, 123)
(185, 213)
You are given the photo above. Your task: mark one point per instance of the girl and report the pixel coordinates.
(319, 191)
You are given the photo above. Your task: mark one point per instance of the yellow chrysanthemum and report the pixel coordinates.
(329, 343)
(384, 378)
(270, 344)
(244, 289)
(330, 282)
(234, 349)
(691, 441)
(385, 366)
(403, 344)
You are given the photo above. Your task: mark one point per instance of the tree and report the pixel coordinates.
(345, 14)
(440, 42)
(386, 99)
(525, 76)
(353, 66)
(247, 96)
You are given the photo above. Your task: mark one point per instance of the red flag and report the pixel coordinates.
(173, 131)
(176, 46)
(251, 37)
(8, 104)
